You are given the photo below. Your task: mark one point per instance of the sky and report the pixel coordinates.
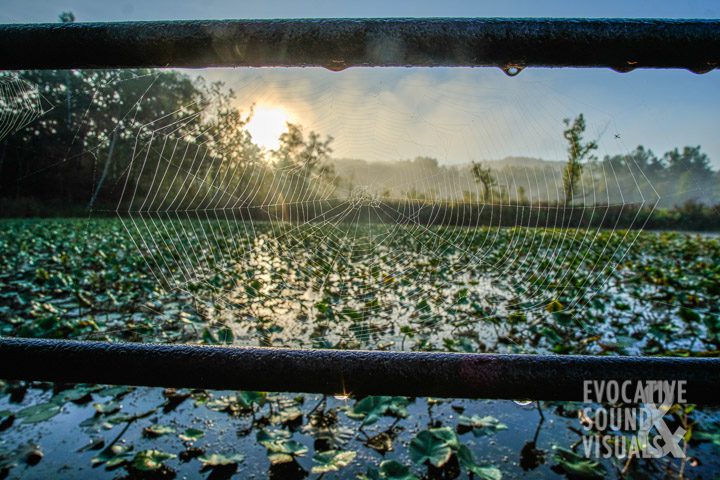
(454, 114)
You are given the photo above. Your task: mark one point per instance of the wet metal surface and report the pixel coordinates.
(543, 377)
(511, 44)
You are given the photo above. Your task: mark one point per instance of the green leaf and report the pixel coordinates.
(80, 393)
(484, 472)
(218, 460)
(107, 407)
(481, 425)
(713, 437)
(150, 460)
(7, 419)
(393, 470)
(689, 315)
(112, 457)
(39, 412)
(208, 337)
(447, 435)
(247, 399)
(191, 435)
(278, 458)
(118, 391)
(554, 306)
(253, 288)
(370, 474)
(426, 447)
(225, 335)
(264, 436)
(575, 465)
(332, 460)
(371, 408)
(286, 415)
(280, 449)
(154, 431)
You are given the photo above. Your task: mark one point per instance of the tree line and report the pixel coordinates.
(149, 140)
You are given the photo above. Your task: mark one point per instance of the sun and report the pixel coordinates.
(266, 126)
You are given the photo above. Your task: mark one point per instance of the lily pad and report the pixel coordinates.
(426, 447)
(280, 448)
(113, 457)
(393, 470)
(447, 435)
(191, 435)
(332, 460)
(154, 431)
(217, 460)
(371, 408)
(484, 472)
(481, 426)
(107, 408)
(576, 466)
(39, 412)
(150, 460)
(248, 399)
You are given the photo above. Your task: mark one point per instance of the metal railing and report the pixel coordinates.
(511, 44)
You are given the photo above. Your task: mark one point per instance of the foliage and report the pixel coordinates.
(371, 408)
(484, 177)
(578, 150)
(280, 448)
(436, 446)
(428, 446)
(150, 460)
(577, 466)
(84, 279)
(481, 425)
(217, 460)
(332, 460)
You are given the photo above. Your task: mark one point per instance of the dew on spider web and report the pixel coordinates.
(305, 258)
(21, 103)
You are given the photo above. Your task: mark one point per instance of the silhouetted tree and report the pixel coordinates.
(484, 177)
(578, 150)
(303, 163)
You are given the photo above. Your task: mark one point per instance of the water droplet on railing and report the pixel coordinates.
(336, 65)
(628, 66)
(702, 69)
(512, 70)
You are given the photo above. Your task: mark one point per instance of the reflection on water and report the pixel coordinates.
(377, 286)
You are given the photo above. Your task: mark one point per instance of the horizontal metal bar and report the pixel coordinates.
(621, 44)
(454, 375)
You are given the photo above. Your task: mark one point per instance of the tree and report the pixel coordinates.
(521, 195)
(483, 176)
(66, 17)
(80, 149)
(578, 150)
(303, 164)
(689, 175)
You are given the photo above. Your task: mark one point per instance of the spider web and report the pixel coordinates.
(21, 103)
(353, 262)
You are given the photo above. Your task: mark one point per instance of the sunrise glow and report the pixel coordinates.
(266, 126)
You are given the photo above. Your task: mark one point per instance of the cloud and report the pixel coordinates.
(461, 114)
